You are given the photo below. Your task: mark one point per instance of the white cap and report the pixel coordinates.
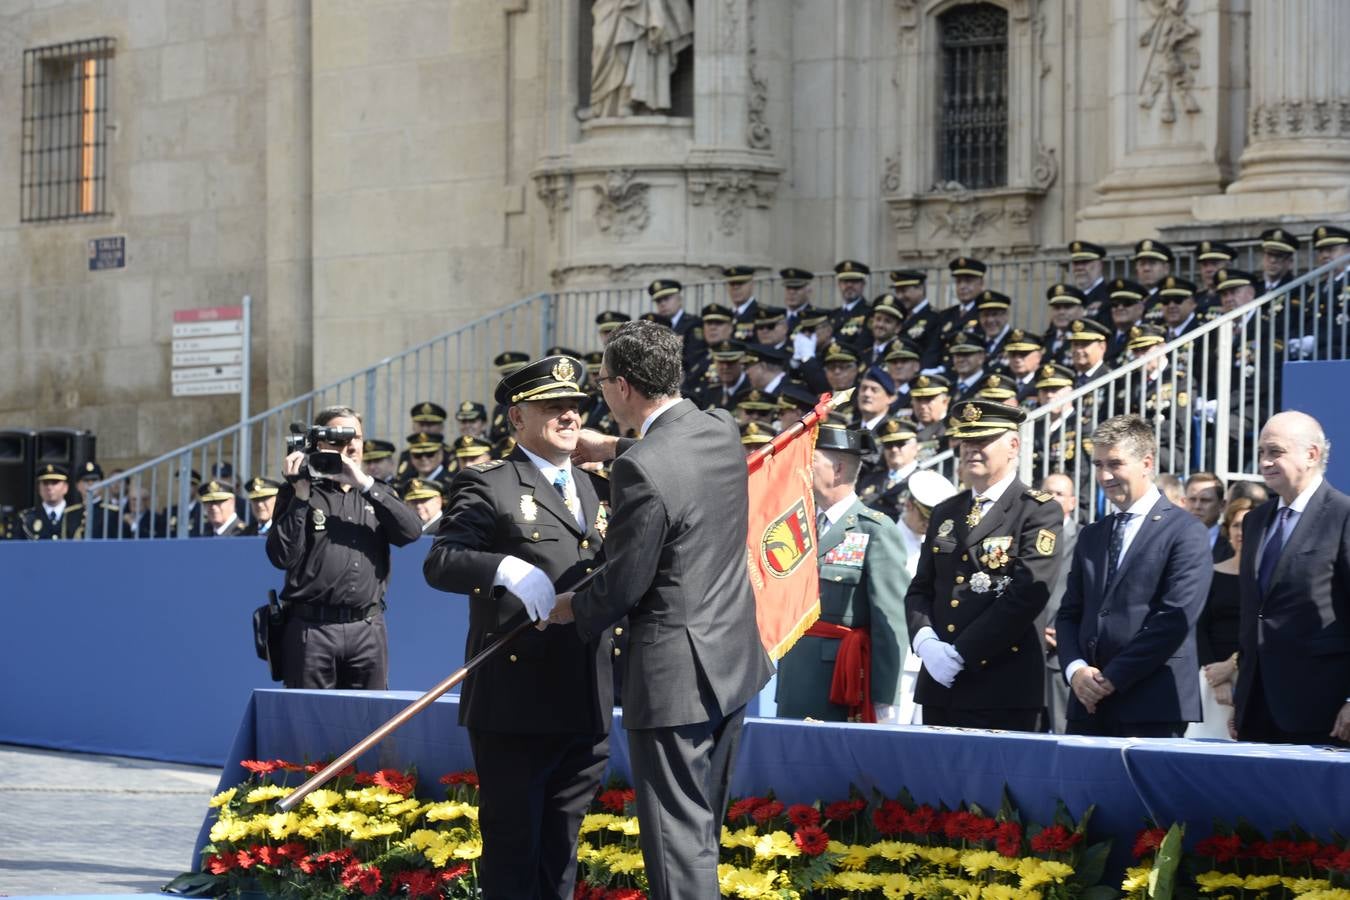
(928, 488)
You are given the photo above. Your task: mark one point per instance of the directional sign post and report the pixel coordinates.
(211, 357)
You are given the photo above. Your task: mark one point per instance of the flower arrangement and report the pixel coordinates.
(367, 835)
(1238, 864)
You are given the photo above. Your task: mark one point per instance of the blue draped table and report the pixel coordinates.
(1128, 780)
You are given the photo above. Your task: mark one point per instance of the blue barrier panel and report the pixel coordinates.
(1318, 389)
(145, 648)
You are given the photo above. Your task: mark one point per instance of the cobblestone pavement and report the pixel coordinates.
(76, 823)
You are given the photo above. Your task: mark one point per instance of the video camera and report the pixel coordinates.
(320, 463)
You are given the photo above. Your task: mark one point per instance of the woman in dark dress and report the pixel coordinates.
(1216, 634)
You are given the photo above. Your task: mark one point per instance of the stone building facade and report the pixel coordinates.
(373, 172)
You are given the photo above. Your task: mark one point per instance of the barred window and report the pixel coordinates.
(973, 132)
(65, 124)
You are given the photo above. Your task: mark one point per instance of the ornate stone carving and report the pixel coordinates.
(1046, 169)
(623, 207)
(1172, 59)
(964, 216)
(731, 25)
(1298, 118)
(730, 193)
(890, 179)
(759, 135)
(555, 191)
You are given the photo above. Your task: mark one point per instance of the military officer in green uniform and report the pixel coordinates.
(53, 519)
(984, 575)
(862, 599)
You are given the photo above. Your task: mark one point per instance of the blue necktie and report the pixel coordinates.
(1273, 548)
(1117, 546)
(560, 485)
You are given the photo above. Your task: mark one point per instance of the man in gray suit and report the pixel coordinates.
(676, 569)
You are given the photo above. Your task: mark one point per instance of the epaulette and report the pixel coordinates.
(487, 466)
(879, 517)
(1040, 496)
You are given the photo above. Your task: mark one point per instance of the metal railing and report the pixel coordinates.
(457, 366)
(1206, 393)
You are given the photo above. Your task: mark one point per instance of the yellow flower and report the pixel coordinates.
(895, 886)
(854, 856)
(1056, 870)
(856, 882)
(1329, 894)
(976, 861)
(267, 792)
(222, 798)
(962, 889)
(449, 811)
(627, 826)
(738, 882)
(1032, 873)
(1306, 885)
(895, 851)
(627, 863)
(1006, 863)
(1210, 882)
(776, 844)
(1001, 892)
(741, 837)
(941, 856)
(469, 850)
(596, 822)
(1028, 895)
(1260, 882)
(1136, 878)
(323, 799)
(282, 825)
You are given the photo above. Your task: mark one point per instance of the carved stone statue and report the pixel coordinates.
(634, 45)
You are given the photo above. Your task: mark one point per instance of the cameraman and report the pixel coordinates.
(333, 541)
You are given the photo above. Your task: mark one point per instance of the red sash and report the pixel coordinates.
(851, 685)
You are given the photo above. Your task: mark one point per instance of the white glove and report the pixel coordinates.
(1211, 410)
(529, 583)
(887, 713)
(940, 659)
(803, 347)
(1304, 348)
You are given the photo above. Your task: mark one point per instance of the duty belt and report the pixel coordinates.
(339, 615)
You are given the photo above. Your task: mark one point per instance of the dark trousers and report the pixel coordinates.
(1259, 725)
(333, 655)
(1096, 726)
(533, 792)
(987, 719)
(682, 776)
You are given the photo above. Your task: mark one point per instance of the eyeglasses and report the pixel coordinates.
(601, 379)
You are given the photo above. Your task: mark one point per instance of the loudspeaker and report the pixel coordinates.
(69, 447)
(17, 467)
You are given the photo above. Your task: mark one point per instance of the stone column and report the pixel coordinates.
(1297, 159)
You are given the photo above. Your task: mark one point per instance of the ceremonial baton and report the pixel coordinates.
(789, 434)
(330, 771)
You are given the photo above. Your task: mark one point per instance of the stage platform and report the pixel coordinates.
(1129, 781)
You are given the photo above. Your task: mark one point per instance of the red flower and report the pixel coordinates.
(811, 840)
(843, 810)
(419, 882)
(615, 799)
(890, 817)
(767, 811)
(925, 820)
(1055, 839)
(366, 879)
(219, 863)
(268, 856)
(800, 814)
(1340, 862)
(742, 808)
(261, 766)
(625, 894)
(245, 860)
(445, 876)
(294, 850)
(365, 778)
(394, 780)
(1222, 849)
(978, 828)
(468, 776)
(1148, 841)
(1008, 839)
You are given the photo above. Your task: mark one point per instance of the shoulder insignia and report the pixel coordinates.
(875, 515)
(1040, 496)
(487, 466)
(1045, 542)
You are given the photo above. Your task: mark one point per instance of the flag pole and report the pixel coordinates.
(822, 411)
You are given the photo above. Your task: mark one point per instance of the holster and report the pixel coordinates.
(269, 630)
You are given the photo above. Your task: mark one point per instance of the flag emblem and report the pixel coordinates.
(786, 543)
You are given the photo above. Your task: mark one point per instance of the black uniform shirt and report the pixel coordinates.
(335, 548)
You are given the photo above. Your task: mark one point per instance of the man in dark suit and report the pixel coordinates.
(1137, 585)
(1294, 578)
(676, 568)
(984, 576)
(538, 715)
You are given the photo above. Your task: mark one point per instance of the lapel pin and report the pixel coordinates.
(1157, 518)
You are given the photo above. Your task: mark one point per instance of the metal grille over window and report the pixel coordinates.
(65, 130)
(973, 136)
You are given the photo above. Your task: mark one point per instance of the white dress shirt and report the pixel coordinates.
(227, 526)
(647, 423)
(1291, 522)
(550, 473)
(837, 510)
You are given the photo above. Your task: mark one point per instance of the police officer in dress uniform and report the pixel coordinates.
(262, 497)
(968, 281)
(379, 462)
(850, 318)
(538, 714)
(219, 516)
(472, 419)
(100, 518)
(1066, 306)
(740, 281)
(984, 575)
(1087, 265)
(52, 519)
(862, 600)
(505, 363)
(884, 488)
(1210, 257)
(923, 323)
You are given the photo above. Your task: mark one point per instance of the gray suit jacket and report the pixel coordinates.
(675, 553)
